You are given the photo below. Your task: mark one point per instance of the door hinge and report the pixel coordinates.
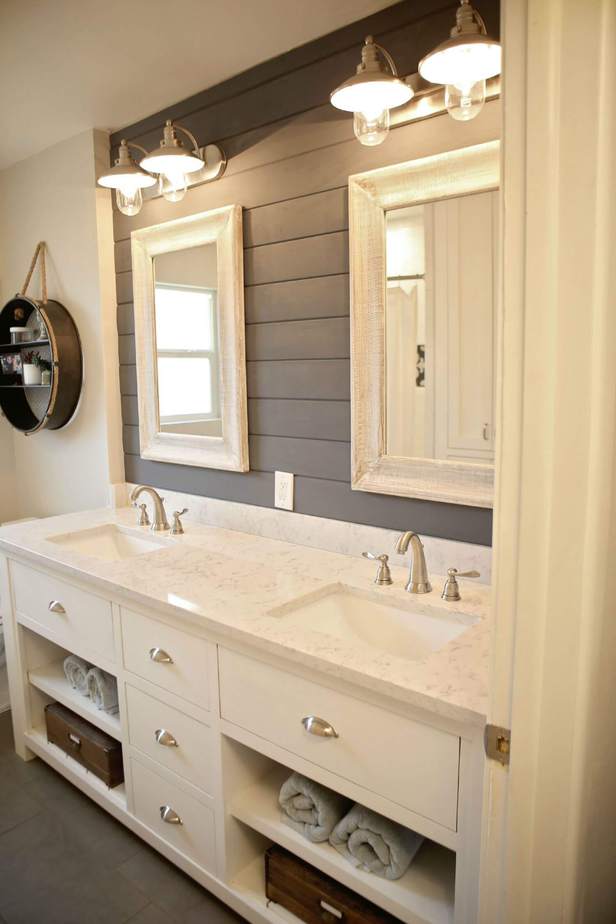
(498, 743)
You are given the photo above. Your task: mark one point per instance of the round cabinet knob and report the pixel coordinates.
(56, 607)
(160, 656)
(165, 738)
(316, 726)
(169, 816)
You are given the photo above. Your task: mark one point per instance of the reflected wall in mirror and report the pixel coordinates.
(439, 329)
(423, 238)
(189, 332)
(187, 351)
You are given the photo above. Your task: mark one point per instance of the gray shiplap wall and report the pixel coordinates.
(290, 157)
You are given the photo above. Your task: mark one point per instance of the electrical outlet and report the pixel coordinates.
(283, 490)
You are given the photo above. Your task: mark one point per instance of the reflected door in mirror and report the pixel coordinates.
(439, 329)
(187, 343)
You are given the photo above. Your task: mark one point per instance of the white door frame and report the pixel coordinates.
(550, 819)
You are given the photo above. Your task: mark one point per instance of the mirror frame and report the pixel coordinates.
(222, 226)
(441, 176)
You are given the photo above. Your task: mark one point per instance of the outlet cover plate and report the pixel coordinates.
(283, 490)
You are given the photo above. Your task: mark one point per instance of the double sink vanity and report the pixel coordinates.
(256, 657)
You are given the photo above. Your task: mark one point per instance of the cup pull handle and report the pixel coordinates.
(56, 607)
(169, 816)
(316, 726)
(160, 656)
(165, 738)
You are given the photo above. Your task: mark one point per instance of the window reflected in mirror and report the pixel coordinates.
(187, 349)
(440, 329)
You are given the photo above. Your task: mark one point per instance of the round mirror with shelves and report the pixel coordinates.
(41, 366)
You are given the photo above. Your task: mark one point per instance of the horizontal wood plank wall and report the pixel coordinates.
(290, 155)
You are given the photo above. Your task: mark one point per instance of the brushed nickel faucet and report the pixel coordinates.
(160, 523)
(418, 582)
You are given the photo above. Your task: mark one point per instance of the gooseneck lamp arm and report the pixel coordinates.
(195, 146)
(133, 144)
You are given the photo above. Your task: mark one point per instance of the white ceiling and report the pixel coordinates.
(70, 65)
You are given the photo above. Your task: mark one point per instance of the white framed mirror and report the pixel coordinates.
(423, 258)
(188, 283)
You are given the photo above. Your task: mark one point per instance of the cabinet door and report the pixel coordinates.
(465, 303)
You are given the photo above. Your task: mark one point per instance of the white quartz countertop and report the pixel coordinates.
(230, 582)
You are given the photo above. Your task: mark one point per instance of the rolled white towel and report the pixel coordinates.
(76, 672)
(374, 843)
(311, 809)
(103, 690)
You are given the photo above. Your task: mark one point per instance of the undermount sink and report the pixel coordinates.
(357, 618)
(110, 542)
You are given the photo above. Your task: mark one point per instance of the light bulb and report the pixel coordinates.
(129, 199)
(173, 185)
(371, 127)
(465, 101)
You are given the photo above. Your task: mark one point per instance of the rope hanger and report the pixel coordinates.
(39, 252)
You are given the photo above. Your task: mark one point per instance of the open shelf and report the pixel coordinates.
(21, 385)
(36, 739)
(17, 347)
(424, 894)
(250, 883)
(33, 408)
(52, 681)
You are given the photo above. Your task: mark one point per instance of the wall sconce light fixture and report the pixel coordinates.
(128, 179)
(463, 63)
(172, 161)
(169, 165)
(371, 93)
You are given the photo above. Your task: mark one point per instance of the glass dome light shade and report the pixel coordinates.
(373, 129)
(463, 59)
(371, 92)
(129, 201)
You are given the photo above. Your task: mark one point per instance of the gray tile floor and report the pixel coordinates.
(63, 860)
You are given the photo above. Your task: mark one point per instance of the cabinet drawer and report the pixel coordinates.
(75, 617)
(408, 762)
(186, 673)
(192, 754)
(194, 836)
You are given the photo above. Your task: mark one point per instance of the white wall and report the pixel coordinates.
(53, 197)
(8, 492)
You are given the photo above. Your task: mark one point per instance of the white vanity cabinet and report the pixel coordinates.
(210, 728)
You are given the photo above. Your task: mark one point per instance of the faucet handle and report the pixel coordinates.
(383, 574)
(144, 519)
(451, 588)
(177, 529)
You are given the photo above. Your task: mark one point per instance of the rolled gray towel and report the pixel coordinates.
(103, 690)
(311, 809)
(374, 843)
(76, 672)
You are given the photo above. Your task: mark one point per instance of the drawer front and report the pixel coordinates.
(175, 740)
(412, 764)
(195, 836)
(185, 674)
(73, 616)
